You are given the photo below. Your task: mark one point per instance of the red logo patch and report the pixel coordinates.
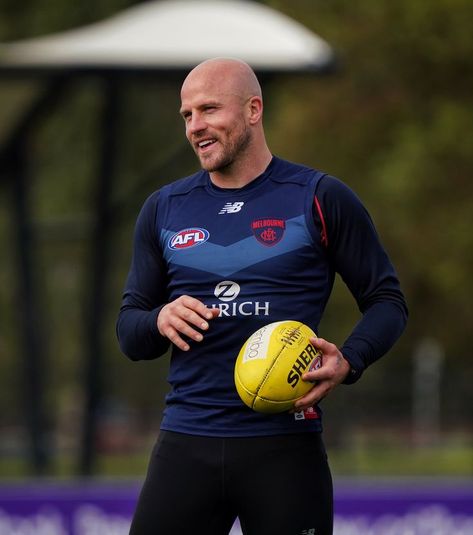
(268, 231)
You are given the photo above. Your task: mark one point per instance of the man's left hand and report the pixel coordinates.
(333, 371)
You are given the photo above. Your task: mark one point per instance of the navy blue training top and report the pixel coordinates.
(265, 252)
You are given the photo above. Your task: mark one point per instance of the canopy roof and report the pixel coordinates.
(176, 34)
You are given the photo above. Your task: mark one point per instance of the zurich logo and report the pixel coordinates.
(227, 290)
(190, 237)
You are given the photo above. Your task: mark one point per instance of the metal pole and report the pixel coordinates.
(96, 289)
(31, 314)
(428, 361)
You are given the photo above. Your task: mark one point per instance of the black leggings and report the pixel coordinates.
(276, 485)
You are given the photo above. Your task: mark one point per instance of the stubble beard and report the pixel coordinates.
(229, 154)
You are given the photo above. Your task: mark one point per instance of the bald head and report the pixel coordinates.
(228, 75)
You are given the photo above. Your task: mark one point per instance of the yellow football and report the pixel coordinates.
(270, 364)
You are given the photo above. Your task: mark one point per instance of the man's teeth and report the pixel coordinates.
(205, 143)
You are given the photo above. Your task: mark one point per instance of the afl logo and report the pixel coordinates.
(190, 237)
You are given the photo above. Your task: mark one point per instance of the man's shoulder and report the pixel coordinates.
(181, 186)
(184, 185)
(287, 171)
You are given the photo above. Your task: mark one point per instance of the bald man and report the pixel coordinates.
(248, 240)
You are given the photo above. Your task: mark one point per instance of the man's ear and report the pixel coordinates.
(255, 109)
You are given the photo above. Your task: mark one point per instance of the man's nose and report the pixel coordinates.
(196, 123)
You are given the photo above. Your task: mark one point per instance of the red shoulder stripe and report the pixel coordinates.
(323, 233)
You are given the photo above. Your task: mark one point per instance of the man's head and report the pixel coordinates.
(222, 106)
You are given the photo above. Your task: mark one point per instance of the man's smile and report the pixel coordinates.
(205, 144)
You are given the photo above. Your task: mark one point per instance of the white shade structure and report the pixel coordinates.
(176, 34)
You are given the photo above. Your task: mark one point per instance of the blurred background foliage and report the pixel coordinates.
(394, 123)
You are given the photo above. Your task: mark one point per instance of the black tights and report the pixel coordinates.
(276, 485)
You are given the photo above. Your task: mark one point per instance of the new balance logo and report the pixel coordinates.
(231, 207)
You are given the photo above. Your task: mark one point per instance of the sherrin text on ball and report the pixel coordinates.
(270, 365)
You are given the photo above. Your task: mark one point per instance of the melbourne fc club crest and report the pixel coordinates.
(268, 231)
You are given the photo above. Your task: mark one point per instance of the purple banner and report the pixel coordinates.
(434, 507)
(404, 507)
(91, 508)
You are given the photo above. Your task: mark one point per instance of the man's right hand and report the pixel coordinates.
(181, 317)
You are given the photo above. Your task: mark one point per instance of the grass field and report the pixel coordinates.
(367, 460)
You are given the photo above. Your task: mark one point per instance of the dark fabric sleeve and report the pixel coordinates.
(145, 291)
(356, 253)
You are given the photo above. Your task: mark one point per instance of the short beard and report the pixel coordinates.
(231, 154)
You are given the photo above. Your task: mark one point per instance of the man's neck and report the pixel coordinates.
(242, 173)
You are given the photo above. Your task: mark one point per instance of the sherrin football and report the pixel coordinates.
(270, 364)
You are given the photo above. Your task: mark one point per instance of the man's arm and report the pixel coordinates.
(144, 294)
(355, 250)
(362, 262)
